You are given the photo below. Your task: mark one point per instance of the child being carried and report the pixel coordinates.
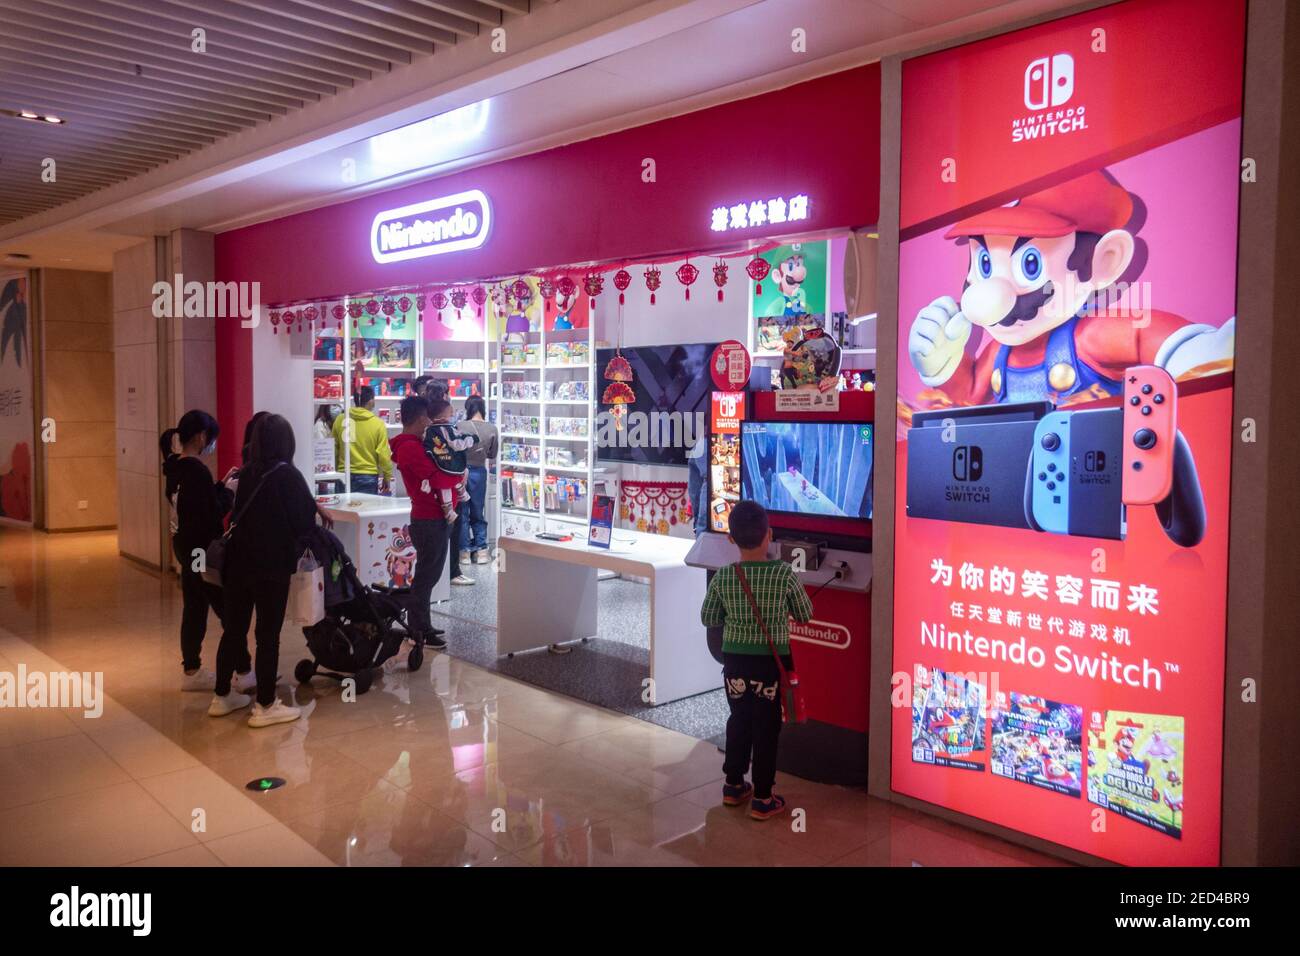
(446, 447)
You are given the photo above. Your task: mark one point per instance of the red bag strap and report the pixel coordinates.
(758, 616)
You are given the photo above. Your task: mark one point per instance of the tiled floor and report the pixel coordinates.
(453, 765)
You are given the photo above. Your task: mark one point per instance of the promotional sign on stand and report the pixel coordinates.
(1066, 321)
(730, 365)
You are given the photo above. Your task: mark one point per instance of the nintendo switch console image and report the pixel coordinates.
(1062, 471)
(1074, 482)
(968, 464)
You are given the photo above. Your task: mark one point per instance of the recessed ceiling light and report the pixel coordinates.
(53, 119)
(28, 114)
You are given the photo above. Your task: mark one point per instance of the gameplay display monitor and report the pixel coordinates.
(672, 386)
(821, 469)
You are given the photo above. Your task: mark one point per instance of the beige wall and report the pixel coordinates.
(76, 335)
(164, 367)
(136, 360)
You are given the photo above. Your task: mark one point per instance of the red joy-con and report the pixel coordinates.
(1150, 424)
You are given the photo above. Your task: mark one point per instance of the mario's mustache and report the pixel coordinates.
(1026, 306)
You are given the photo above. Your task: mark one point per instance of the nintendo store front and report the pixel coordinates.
(680, 306)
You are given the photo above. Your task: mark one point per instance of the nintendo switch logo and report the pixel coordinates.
(1094, 461)
(968, 463)
(1049, 81)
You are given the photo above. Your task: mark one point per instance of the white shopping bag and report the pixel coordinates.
(307, 593)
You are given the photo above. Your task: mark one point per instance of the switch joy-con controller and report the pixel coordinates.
(1150, 427)
(1050, 473)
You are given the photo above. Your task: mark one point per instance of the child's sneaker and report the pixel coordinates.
(766, 809)
(735, 796)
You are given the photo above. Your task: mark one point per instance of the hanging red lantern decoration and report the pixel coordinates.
(439, 302)
(653, 277)
(720, 276)
(354, 310)
(338, 312)
(547, 290)
(309, 314)
(479, 296)
(372, 307)
(388, 308)
(275, 322)
(622, 279)
(757, 269)
(687, 274)
(566, 287)
(593, 283)
(404, 305)
(421, 300)
(458, 298)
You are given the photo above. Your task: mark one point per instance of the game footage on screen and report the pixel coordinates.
(808, 468)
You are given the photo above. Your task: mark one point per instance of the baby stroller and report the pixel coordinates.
(363, 626)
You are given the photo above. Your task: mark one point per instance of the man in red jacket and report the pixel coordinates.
(430, 530)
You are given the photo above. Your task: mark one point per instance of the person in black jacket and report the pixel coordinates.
(274, 513)
(198, 506)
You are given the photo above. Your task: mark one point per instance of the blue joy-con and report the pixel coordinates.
(1051, 473)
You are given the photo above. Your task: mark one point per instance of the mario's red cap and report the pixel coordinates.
(1090, 203)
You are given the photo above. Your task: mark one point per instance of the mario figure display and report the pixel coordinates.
(1043, 269)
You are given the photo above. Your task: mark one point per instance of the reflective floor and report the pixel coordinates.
(451, 766)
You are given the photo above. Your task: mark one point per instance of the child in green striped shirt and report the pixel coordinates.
(749, 670)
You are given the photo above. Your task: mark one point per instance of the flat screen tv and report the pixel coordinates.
(670, 413)
(820, 469)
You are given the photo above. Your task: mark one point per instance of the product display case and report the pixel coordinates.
(543, 398)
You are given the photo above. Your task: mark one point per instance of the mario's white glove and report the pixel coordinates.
(1195, 345)
(937, 340)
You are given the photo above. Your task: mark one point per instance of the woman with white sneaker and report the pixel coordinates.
(274, 512)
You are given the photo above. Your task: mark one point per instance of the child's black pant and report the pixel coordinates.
(752, 683)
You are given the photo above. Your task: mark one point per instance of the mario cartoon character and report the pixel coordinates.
(563, 306)
(1055, 770)
(789, 276)
(1043, 269)
(1125, 741)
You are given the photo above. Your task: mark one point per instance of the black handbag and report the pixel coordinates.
(214, 555)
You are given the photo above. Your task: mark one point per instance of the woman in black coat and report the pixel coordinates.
(198, 505)
(273, 514)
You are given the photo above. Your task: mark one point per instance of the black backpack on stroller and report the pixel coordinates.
(363, 626)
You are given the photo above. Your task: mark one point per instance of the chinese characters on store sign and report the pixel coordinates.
(749, 215)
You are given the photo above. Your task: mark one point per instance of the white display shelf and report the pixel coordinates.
(326, 363)
(527, 512)
(518, 435)
(553, 372)
(327, 401)
(385, 370)
(507, 465)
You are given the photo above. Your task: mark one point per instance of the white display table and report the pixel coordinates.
(546, 594)
(375, 531)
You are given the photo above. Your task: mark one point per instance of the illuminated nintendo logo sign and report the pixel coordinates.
(449, 224)
(821, 632)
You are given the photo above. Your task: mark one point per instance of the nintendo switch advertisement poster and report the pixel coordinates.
(1067, 261)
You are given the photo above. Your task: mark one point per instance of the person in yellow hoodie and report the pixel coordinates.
(367, 445)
